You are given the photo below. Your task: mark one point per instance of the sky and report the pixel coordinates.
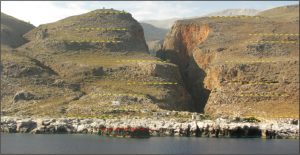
(42, 12)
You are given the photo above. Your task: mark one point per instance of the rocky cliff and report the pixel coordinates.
(240, 65)
(92, 64)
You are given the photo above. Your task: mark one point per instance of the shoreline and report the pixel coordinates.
(144, 128)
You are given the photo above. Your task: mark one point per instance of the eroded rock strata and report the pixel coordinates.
(81, 64)
(239, 65)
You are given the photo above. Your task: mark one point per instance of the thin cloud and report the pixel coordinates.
(41, 12)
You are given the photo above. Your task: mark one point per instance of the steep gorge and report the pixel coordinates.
(179, 46)
(230, 72)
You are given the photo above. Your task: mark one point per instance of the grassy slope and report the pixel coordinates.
(283, 22)
(228, 40)
(285, 13)
(12, 30)
(75, 66)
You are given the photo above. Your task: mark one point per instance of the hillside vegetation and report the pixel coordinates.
(12, 31)
(240, 65)
(82, 64)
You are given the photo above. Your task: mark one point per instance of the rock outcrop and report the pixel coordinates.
(241, 65)
(23, 95)
(141, 128)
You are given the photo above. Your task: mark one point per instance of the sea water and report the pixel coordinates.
(94, 144)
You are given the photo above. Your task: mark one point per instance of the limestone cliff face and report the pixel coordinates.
(183, 38)
(180, 46)
(230, 69)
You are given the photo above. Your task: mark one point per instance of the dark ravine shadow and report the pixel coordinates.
(193, 77)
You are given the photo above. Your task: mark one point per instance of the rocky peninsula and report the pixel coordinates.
(147, 127)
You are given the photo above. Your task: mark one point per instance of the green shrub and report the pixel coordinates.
(251, 119)
(62, 110)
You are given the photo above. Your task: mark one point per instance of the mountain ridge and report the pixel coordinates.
(71, 67)
(12, 31)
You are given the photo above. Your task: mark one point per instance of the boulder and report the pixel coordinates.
(23, 95)
(25, 126)
(82, 128)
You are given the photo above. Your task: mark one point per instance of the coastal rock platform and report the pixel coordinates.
(140, 128)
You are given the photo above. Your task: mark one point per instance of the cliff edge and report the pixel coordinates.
(239, 65)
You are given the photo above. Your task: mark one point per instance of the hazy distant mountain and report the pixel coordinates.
(167, 23)
(153, 33)
(235, 12)
(12, 30)
(154, 37)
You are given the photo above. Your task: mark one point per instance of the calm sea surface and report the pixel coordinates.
(93, 144)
